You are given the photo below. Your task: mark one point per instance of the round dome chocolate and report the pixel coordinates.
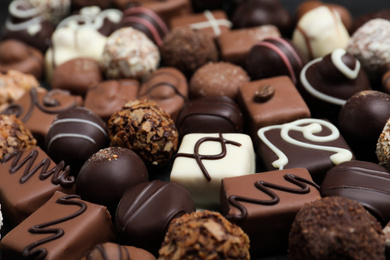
(74, 135)
(108, 173)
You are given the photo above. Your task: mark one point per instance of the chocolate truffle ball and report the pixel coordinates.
(109, 250)
(74, 135)
(262, 12)
(145, 211)
(362, 19)
(85, 75)
(17, 55)
(129, 53)
(275, 56)
(14, 136)
(382, 146)
(108, 173)
(217, 79)
(335, 228)
(370, 44)
(361, 121)
(188, 49)
(142, 126)
(386, 82)
(327, 83)
(211, 234)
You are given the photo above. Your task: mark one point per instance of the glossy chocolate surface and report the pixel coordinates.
(74, 135)
(210, 115)
(145, 211)
(112, 170)
(29, 179)
(63, 228)
(255, 200)
(366, 182)
(113, 251)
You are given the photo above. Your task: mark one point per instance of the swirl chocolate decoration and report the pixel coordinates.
(198, 157)
(309, 128)
(303, 188)
(60, 175)
(40, 253)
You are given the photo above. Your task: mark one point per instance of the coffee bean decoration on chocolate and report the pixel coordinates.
(264, 93)
(74, 136)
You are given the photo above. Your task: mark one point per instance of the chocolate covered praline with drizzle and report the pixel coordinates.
(327, 83)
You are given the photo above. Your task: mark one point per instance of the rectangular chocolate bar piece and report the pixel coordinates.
(264, 205)
(28, 179)
(236, 44)
(65, 227)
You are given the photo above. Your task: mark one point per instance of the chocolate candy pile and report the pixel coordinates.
(193, 129)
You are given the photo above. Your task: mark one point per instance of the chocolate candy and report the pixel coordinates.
(320, 226)
(319, 32)
(261, 12)
(65, 227)
(255, 201)
(275, 56)
(214, 23)
(216, 79)
(187, 49)
(168, 87)
(112, 170)
(327, 83)
(37, 109)
(203, 160)
(210, 115)
(85, 75)
(207, 231)
(382, 147)
(14, 136)
(364, 182)
(129, 53)
(145, 211)
(146, 21)
(28, 179)
(271, 101)
(361, 121)
(103, 4)
(235, 44)
(109, 96)
(17, 55)
(74, 135)
(309, 143)
(142, 126)
(111, 250)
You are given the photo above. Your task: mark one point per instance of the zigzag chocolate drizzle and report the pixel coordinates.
(59, 174)
(40, 253)
(198, 157)
(266, 187)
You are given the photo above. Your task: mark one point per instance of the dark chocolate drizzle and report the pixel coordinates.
(163, 84)
(59, 174)
(48, 101)
(40, 253)
(198, 157)
(266, 187)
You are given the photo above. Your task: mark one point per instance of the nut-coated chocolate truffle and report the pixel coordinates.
(14, 136)
(383, 147)
(188, 49)
(361, 121)
(335, 228)
(74, 135)
(145, 211)
(108, 173)
(211, 234)
(142, 126)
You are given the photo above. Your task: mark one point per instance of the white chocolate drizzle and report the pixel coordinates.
(33, 17)
(337, 61)
(212, 22)
(309, 88)
(310, 127)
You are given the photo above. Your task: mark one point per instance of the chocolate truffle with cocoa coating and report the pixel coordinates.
(145, 128)
(108, 173)
(335, 228)
(188, 49)
(213, 236)
(216, 79)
